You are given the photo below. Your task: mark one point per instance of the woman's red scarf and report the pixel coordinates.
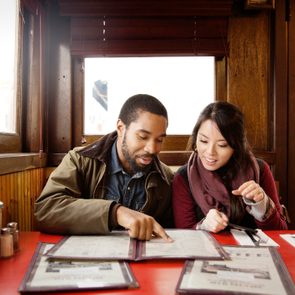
(208, 189)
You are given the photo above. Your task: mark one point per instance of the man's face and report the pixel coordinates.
(141, 141)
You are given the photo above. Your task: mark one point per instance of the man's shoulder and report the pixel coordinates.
(167, 171)
(100, 148)
(77, 157)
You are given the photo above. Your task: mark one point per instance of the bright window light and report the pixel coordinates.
(185, 85)
(8, 51)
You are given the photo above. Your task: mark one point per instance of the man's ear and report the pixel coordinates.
(120, 128)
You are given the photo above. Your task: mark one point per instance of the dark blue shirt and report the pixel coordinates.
(123, 188)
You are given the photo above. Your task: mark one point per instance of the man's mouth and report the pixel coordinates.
(145, 160)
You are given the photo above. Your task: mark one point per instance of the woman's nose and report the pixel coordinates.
(211, 149)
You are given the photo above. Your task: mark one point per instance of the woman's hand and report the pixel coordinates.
(250, 190)
(215, 221)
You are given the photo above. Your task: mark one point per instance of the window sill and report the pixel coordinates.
(15, 162)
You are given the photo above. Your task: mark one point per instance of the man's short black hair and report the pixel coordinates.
(141, 102)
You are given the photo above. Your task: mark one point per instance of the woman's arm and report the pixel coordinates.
(184, 206)
(274, 218)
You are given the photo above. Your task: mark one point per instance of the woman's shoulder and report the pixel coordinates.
(261, 164)
(264, 168)
(182, 171)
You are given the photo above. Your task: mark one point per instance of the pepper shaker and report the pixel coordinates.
(15, 235)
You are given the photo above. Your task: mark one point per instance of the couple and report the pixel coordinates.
(119, 182)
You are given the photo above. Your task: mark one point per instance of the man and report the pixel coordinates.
(115, 182)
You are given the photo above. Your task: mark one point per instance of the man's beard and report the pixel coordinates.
(132, 161)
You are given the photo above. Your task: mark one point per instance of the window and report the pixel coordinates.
(9, 27)
(185, 85)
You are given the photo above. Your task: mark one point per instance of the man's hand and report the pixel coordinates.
(140, 226)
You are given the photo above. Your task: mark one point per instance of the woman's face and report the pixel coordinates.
(213, 149)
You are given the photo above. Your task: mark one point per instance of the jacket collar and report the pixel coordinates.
(101, 150)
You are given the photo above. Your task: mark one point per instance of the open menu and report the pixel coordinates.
(45, 274)
(187, 244)
(290, 238)
(251, 270)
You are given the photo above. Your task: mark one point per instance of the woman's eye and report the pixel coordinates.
(142, 137)
(203, 141)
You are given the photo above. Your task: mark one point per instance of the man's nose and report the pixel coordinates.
(152, 147)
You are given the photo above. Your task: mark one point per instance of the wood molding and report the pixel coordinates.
(172, 158)
(15, 162)
(146, 7)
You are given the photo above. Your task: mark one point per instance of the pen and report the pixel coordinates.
(251, 236)
(251, 233)
(243, 228)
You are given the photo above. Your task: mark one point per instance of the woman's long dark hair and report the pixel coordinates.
(230, 122)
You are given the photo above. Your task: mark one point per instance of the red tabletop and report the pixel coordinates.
(154, 276)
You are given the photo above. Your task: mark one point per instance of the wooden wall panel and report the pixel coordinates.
(136, 36)
(291, 117)
(78, 101)
(32, 85)
(281, 99)
(248, 74)
(18, 192)
(145, 7)
(59, 92)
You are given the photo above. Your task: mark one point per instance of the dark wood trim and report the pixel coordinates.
(60, 83)
(54, 159)
(146, 7)
(173, 158)
(137, 36)
(15, 162)
(33, 87)
(290, 17)
(281, 99)
(221, 79)
(10, 143)
(78, 101)
(171, 142)
(269, 157)
(254, 4)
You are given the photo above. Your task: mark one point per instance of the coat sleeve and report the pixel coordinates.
(62, 209)
(276, 220)
(184, 206)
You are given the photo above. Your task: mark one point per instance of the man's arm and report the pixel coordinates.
(61, 208)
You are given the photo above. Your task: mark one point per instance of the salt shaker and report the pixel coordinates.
(15, 235)
(6, 243)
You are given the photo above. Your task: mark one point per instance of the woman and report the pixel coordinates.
(223, 182)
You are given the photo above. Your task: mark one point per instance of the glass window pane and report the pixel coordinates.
(185, 85)
(8, 52)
